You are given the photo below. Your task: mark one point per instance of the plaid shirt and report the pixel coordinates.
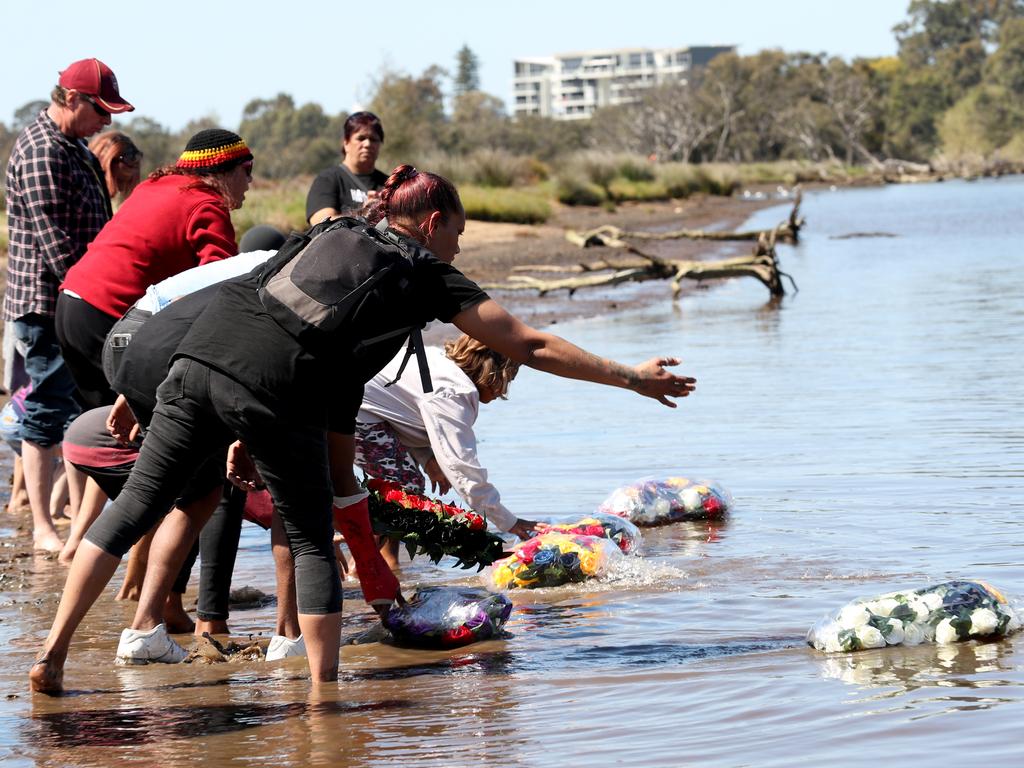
(56, 205)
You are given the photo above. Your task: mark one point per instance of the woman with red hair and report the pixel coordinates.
(273, 361)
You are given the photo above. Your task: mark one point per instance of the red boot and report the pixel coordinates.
(352, 519)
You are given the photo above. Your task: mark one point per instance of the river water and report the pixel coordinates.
(869, 428)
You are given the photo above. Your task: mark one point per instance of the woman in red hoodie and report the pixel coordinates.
(179, 218)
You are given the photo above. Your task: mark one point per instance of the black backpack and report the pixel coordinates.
(345, 277)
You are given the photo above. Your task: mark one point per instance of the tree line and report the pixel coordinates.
(953, 91)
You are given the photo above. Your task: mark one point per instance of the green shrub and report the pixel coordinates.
(571, 189)
(279, 204)
(498, 168)
(504, 204)
(635, 168)
(679, 179)
(452, 167)
(622, 189)
(717, 179)
(598, 168)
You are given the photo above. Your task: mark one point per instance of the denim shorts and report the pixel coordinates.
(51, 405)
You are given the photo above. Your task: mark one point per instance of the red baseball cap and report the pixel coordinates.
(94, 78)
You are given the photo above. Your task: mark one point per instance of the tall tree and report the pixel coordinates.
(26, 113)
(467, 71)
(478, 122)
(158, 144)
(412, 112)
(287, 140)
(936, 26)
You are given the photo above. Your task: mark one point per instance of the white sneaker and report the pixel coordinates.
(281, 647)
(142, 647)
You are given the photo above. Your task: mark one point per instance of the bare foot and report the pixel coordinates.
(47, 541)
(47, 676)
(177, 620)
(214, 627)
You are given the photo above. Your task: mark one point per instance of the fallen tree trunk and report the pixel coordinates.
(787, 231)
(762, 264)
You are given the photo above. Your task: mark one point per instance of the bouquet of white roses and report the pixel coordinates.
(944, 613)
(656, 502)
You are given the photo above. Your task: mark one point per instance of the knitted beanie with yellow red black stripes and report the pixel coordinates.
(214, 150)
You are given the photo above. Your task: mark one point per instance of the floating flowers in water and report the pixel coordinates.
(625, 535)
(553, 559)
(430, 527)
(448, 617)
(944, 613)
(656, 502)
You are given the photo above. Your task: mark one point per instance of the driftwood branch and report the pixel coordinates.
(787, 231)
(762, 264)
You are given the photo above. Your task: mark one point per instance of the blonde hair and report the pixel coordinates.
(484, 366)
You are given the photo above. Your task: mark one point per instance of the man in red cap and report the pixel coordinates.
(56, 204)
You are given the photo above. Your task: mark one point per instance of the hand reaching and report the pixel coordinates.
(438, 482)
(654, 381)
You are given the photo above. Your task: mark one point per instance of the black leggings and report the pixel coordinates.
(82, 333)
(218, 541)
(199, 413)
(218, 546)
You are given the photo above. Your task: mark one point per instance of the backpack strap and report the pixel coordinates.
(414, 347)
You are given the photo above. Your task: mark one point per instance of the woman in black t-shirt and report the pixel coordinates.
(343, 189)
(293, 401)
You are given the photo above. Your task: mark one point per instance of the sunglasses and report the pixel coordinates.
(99, 110)
(248, 167)
(130, 156)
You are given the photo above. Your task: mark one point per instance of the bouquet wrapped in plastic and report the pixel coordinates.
(625, 535)
(656, 502)
(429, 527)
(553, 559)
(448, 617)
(944, 613)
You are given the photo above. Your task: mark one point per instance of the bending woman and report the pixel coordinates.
(401, 430)
(269, 362)
(178, 218)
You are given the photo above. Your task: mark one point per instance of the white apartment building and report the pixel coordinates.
(570, 86)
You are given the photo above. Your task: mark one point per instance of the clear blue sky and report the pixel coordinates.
(185, 59)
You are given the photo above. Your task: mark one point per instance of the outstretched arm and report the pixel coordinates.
(490, 323)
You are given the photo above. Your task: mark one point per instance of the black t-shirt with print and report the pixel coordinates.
(320, 386)
(342, 190)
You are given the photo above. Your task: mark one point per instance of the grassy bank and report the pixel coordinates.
(527, 194)
(515, 190)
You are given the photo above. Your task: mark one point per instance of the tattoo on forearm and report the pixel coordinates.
(618, 369)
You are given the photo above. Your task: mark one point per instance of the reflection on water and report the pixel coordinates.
(869, 428)
(906, 669)
(128, 726)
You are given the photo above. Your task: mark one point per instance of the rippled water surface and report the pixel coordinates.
(870, 430)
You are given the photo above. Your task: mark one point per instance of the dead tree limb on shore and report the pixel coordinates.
(787, 231)
(762, 265)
